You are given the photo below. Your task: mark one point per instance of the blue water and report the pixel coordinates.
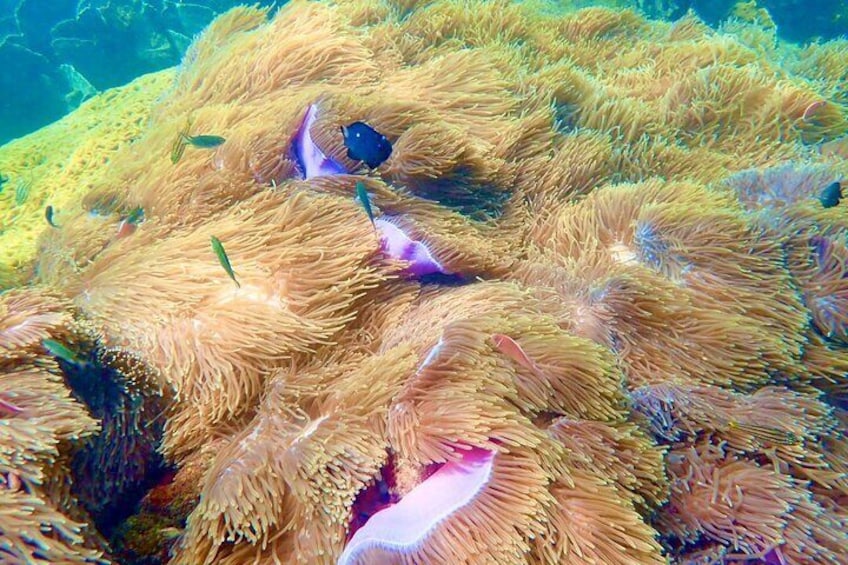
(56, 53)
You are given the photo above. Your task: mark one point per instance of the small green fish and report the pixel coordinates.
(48, 215)
(362, 195)
(203, 141)
(218, 247)
(170, 533)
(61, 351)
(3, 180)
(136, 216)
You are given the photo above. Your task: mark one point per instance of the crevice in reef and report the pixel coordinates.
(115, 469)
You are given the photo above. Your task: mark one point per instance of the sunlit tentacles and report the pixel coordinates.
(719, 98)
(207, 182)
(606, 218)
(65, 252)
(827, 367)
(545, 369)
(422, 320)
(714, 258)
(442, 163)
(749, 508)
(780, 186)
(599, 22)
(823, 63)
(591, 522)
(570, 298)
(694, 45)
(300, 273)
(471, 23)
(658, 157)
(580, 163)
(319, 51)
(658, 333)
(669, 281)
(820, 265)
(785, 428)
(556, 372)
(441, 408)
(318, 431)
(27, 317)
(618, 453)
(34, 531)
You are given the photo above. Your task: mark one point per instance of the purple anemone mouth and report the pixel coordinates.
(313, 162)
(398, 245)
(400, 528)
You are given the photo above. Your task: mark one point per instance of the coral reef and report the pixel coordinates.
(56, 166)
(599, 316)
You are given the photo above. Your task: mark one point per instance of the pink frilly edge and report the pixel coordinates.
(398, 245)
(308, 154)
(402, 527)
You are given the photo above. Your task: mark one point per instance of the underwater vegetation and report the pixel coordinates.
(576, 293)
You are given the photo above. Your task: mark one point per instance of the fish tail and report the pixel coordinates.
(179, 146)
(178, 149)
(766, 433)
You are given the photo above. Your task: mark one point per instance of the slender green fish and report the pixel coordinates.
(136, 216)
(204, 141)
(362, 195)
(61, 351)
(218, 247)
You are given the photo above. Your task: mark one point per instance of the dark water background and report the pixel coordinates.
(56, 53)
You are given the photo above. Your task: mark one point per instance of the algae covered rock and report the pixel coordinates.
(55, 166)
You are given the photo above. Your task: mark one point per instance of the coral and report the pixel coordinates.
(598, 316)
(57, 165)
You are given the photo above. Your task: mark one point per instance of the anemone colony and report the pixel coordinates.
(601, 316)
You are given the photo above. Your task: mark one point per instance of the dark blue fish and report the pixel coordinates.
(831, 195)
(366, 144)
(48, 215)
(3, 180)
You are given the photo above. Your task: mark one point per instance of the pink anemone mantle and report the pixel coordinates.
(402, 527)
(309, 156)
(398, 245)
